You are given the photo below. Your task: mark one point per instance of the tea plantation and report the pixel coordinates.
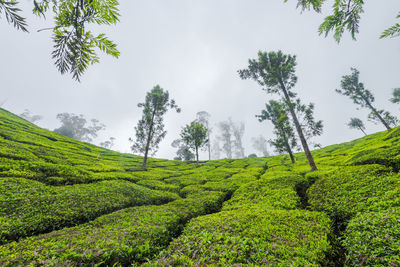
(69, 203)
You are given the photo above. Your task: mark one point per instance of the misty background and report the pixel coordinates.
(193, 49)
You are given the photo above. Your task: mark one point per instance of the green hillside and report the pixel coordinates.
(69, 203)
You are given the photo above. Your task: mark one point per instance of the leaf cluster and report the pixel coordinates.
(11, 12)
(272, 71)
(353, 88)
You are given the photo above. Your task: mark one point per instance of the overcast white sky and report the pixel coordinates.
(193, 49)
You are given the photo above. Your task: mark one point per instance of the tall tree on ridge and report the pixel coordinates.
(203, 117)
(275, 72)
(353, 88)
(356, 123)
(150, 129)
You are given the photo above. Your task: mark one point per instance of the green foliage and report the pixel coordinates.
(385, 115)
(372, 239)
(349, 190)
(272, 71)
(122, 237)
(194, 135)
(275, 72)
(29, 208)
(276, 193)
(251, 237)
(353, 88)
(62, 204)
(285, 141)
(345, 15)
(10, 10)
(74, 45)
(393, 31)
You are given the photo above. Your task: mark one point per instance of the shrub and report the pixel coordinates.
(372, 239)
(28, 207)
(256, 236)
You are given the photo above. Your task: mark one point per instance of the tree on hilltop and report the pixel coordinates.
(77, 127)
(108, 143)
(356, 123)
(183, 152)
(353, 88)
(150, 128)
(27, 115)
(275, 72)
(194, 135)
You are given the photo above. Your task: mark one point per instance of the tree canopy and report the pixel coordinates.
(275, 72)
(194, 135)
(356, 123)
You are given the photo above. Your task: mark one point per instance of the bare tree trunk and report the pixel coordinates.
(146, 152)
(299, 130)
(379, 116)
(289, 150)
(362, 130)
(209, 147)
(197, 154)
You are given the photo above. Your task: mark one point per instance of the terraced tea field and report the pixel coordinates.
(68, 203)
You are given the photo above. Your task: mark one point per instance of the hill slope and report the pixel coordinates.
(65, 202)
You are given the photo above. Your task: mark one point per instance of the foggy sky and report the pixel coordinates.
(193, 49)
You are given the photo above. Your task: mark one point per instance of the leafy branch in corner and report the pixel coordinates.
(74, 45)
(10, 11)
(345, 16)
